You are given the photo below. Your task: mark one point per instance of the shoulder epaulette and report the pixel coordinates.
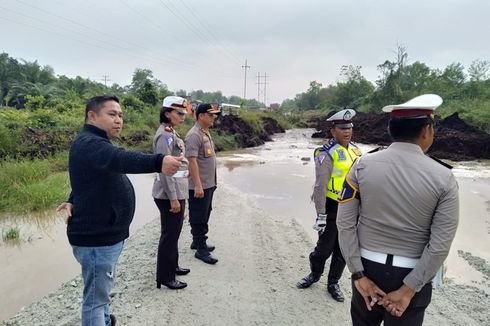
(330, 147)
(329, 144)
(377, 149)
(441, 162)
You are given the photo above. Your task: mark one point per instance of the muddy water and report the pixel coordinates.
(41, 260)
(278, 176)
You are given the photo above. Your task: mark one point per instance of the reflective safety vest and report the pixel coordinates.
(342, 159)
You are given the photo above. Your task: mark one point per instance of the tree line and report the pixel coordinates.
(466, 91)
(28, 85)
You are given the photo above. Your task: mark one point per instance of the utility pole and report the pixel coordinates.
(245, 85)
(105, 78)
(265, 89)
(258, 87)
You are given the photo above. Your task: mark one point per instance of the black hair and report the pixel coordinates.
(97, 102)
(163, 117)
(407, 129)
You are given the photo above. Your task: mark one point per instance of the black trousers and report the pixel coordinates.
(199, 212)
(328, 244)
(388, 278)
(168, 252)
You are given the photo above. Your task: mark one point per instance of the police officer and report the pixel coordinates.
(397, 218)
(170, 193)
(202, 184)
(332, 161)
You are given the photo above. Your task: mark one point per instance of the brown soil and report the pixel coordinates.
(244, 134)
(455, 139)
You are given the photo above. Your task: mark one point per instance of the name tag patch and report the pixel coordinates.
(341, 155)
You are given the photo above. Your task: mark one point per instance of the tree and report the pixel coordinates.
(148, 93)
(9, 72)
(353, 90)
(454, 74)
(478, 70)
(147, 88)
(311, 99)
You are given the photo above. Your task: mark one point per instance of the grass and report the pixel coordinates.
(39, 184)
(12, 233)
(33, 185)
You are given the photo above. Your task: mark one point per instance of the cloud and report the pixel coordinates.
(191, 44)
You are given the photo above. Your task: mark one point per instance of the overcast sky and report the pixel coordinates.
(203, 44)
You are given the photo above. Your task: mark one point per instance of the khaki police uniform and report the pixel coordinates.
(397, 218)
(199, 144)
(165, 188)
(332, 162)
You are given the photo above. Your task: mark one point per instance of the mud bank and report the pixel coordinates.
(455, 140)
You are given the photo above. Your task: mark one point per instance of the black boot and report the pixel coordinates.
(210, 247)
(173, 284)
(182, 271)
(335, 292)
(205, 256)
(308, 280)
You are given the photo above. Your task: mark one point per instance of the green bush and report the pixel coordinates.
(130, 102)
(34, 102)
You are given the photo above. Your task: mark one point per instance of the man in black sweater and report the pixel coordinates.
(102, 201)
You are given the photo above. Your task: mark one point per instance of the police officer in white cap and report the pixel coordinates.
(332, 162)
(170, 193)
(397, 218)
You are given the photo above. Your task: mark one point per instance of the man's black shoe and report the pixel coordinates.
(182, 271)
(113, 319)
(206, 257)
(307, 281)
(335, 292)
(174, 284)
(210, 247)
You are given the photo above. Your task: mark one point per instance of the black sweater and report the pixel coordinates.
(102, 195)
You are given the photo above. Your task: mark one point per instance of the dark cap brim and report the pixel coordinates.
(343, 125)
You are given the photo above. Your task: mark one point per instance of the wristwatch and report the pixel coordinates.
(357, 275)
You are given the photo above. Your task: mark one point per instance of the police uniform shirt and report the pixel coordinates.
(408, 207)
(323, 170)
(168, 142)
(198, 143)
(325, 166)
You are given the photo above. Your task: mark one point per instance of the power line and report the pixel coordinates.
(201, 22)
(129, 50)
(133, 45)
(190, 25)
(63, 28)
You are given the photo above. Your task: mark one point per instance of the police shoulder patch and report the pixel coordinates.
(348, 192)
(321, 157)
(169, 139)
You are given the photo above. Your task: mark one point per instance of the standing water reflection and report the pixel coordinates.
(279, 176)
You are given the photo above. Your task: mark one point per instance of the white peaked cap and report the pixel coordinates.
(342, 119)
(422, 102)
(175, 102)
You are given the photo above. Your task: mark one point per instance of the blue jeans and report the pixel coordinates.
(98, 273)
